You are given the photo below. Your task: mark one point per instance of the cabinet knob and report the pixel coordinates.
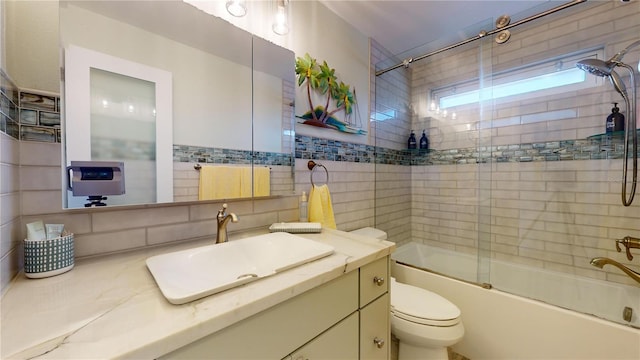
(378, 281)
(379, 342)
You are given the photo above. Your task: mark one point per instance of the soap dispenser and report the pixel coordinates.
(412, 144)
(615, 121)
(304, 208)
(424, 141)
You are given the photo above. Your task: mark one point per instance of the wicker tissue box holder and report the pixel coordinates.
(44, 258)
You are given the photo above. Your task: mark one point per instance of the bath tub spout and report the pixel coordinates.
(602, 261)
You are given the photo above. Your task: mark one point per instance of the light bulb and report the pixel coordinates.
(237, 8)
(280, 24)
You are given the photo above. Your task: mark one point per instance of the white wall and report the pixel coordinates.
(34, 63)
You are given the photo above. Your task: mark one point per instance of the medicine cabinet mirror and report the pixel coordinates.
(220, 102)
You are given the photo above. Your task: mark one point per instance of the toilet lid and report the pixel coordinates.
(422, 306)
(371, 232)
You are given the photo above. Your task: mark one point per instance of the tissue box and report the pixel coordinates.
(44, 258)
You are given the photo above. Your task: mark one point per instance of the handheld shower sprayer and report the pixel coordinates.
(606, 69)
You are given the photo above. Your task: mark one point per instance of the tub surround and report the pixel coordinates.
(111, 305)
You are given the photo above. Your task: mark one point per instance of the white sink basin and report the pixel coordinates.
(187, 275)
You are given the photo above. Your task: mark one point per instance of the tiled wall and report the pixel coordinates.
(9, 182)
(10, 226)
(352, 189)
(544, 193)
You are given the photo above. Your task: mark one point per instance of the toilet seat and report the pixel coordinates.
(410, 303)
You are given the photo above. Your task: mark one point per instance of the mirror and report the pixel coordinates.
(228, 97)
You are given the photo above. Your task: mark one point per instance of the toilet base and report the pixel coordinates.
(411, 352)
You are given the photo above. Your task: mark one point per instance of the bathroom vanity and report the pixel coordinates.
(110, 307)
(328, 322)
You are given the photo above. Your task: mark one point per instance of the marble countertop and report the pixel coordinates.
(111, 307)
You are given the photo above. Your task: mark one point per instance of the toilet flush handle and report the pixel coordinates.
(378, 280)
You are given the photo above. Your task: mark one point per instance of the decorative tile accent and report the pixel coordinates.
(49, 118)
(27, 115)
(593, 148)
(8, 88)
(36, 133)
(198, 154)
(32, 100)
(8, 108)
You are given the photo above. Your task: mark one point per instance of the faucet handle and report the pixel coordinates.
(626, 242)
(222, 211)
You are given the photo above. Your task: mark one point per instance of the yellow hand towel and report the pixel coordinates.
(219, 182)
(320, 208)
(261, 181)
(245, 181)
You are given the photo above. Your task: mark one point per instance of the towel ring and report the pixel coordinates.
(312, 165)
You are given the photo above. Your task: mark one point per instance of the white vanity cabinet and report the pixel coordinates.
(339, 342)
(346, 318)
(375, 331)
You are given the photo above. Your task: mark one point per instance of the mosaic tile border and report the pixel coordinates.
(198, 154)
(28, 115)
(9, 99)
(594, 148)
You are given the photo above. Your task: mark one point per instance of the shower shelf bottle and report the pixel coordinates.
(424, 141)
(615, 120)
(412, 143)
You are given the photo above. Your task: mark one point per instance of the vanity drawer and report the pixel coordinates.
(374, 280)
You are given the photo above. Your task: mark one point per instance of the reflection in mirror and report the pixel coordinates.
(231, 104)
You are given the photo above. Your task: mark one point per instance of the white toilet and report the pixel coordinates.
(424, 322)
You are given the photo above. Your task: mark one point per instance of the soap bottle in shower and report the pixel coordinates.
(304, 208)
(424, 141)
(615, 120)
(413, 144)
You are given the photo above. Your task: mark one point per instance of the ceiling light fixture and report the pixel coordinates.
(281, 22)
(237, 8)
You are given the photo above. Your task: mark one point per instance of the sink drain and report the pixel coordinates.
(627, 313)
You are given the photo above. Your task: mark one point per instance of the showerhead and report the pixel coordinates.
(595, 67)
(603, 69)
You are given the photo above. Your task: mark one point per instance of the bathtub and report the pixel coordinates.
(501, 324)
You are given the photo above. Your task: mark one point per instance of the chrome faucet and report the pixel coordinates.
(223, 219)
(629, 243)
(602, 261)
